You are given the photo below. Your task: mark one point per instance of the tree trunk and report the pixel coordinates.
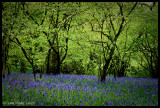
(23, 67)
(41, 73)
(105, 67)
(103, 75)
(115, 75)
(48, 58)
(4, 59)
(58, 64)
(27, 57)
(34, 73)
(4, 68)
(54, 63)
(9, 70)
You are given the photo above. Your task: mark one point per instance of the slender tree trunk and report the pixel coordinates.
(23, 67)
(41, 73)
(54, 63)
(48, 58)
(103, 75)
(4, 58)
(9, 70)
(34, 73)
(105, 67)
(58, 64)
(27, 57)
(4, 67)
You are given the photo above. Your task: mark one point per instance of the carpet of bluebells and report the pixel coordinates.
(21, 89)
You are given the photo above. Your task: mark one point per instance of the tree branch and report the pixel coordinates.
(44, 16)
(31, 16)
(112, 26)
(132, 8)
(65, 50)
(25, 53)
(50, 43)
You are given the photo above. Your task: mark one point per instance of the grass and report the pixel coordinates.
(20, 89)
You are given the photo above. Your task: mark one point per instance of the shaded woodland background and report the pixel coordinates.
(92, 38)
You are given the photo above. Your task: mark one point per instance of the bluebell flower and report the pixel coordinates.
(44, 94)
(41, 103)
(72, 82)
(110, 103)
(69, 98)
(54, 104)
(82, 104)
(37, 102)
(64, 101)
(81, 101)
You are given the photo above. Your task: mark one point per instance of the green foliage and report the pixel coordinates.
(73, 67)
(81, 23)
(134, 71)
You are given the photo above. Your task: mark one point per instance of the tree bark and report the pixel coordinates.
(105, 67)
(48, 58)
(3, 57)
(27, 57)
(23, 67)
(4, 66)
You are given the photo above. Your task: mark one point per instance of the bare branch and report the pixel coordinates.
(133, 8)
(65, 50)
